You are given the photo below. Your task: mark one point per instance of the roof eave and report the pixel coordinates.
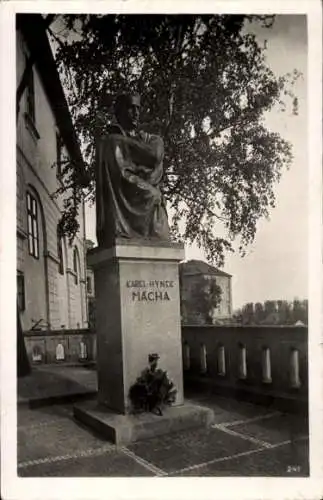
(32, 27)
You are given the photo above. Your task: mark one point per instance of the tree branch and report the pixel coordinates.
(205, 208)
(172, 88)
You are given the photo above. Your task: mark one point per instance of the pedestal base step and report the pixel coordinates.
(125, 429)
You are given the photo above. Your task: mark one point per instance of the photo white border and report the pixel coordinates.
(157, 488)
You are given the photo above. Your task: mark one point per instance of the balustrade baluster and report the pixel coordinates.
(187, 356)
(221, 360)
(294, 369)
(243, 362)
(203, 362)
(266, 366)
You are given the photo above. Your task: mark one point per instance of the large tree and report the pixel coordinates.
(205, 88)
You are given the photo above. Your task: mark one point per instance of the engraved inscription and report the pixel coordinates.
(151, 284)
(150, 291)
(151, 296)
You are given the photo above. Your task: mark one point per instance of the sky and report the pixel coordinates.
(275, 266)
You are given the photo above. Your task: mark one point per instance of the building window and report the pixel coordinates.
(75, 266)
(21, 291)
(89, 285)
(60, 252)
(32, 219)
(59, 147)
(31, 96)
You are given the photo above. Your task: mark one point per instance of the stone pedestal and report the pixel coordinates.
(125, 429)
(137, 313)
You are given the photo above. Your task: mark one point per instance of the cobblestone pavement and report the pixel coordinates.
(245, 440)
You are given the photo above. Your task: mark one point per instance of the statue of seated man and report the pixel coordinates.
(129, 169)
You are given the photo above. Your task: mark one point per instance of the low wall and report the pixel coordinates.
(266, 363)
(259, 363)
(61, 346)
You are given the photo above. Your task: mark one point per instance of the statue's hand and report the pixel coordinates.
(148, 154)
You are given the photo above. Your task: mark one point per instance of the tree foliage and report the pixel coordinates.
(205, 88)
(273, 312)
(200, 304)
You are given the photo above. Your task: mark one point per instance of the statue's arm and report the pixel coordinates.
(149, 154)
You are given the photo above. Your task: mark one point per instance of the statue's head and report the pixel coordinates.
(127, 110)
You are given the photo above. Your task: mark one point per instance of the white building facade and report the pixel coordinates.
(196, 275)
(51, 272)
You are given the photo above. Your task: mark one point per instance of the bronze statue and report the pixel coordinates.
(129, 169)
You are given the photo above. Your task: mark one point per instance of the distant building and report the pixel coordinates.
(51, 286)
(90, 290)
(195, 274)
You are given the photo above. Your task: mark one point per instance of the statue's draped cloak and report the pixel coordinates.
(129, 203)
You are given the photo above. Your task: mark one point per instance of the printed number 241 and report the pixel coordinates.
(293, 468)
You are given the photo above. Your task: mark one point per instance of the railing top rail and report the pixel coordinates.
(236, 325)
(62, 332)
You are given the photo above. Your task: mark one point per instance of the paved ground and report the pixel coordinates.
(49, 382)
(245, 439)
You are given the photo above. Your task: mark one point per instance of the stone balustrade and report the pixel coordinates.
(260, 362)
(61, 346)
